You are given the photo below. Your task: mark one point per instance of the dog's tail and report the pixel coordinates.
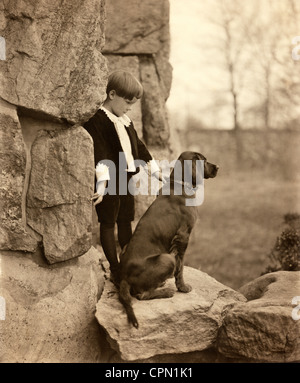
(125, 299)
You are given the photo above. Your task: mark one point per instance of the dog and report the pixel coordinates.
(158, 244)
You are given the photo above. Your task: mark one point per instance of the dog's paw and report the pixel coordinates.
(186, 288)
(168, 292)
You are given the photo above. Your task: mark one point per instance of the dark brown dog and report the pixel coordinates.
(156, 249)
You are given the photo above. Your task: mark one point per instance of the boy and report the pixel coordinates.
(113, 133)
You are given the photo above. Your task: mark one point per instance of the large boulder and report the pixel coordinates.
(264, 328)
(59, 205)
(14, 234)
(50, 309)
(144, 26)
(54, 64)
(155, 117)
(53, 77)
(181, 324)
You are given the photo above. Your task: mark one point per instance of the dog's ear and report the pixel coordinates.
(189, 169)
(194, 170)
(197, 168)
(199, 156)
(186, 168)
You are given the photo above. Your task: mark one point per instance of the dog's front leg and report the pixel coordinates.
(178, 248)
(180, 284)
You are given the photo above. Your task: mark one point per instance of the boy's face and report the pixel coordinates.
(120, 105)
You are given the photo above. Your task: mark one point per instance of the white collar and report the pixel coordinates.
(124, 120)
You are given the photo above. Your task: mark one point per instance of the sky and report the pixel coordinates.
(199, 81)
(195, 81)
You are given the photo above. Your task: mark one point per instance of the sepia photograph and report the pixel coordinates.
(150, 185)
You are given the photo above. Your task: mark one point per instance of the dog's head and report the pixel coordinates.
(190, 167)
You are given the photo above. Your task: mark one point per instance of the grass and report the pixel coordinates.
(239, 221)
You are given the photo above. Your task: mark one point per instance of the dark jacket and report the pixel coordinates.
(106, 140)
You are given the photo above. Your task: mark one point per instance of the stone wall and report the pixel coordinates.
(50, 82)
(53, 79)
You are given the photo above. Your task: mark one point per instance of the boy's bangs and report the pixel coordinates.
(125, 85)
(135, 91)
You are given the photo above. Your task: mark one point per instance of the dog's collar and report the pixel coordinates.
(186, 185)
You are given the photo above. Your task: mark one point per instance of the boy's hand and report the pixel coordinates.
(97, 198)
(160, 177)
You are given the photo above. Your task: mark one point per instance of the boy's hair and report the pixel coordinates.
(125, 85)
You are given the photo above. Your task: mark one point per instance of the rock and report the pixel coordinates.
(144, 26)
(50, 310)
(13, 231)
(54, 64)
(164, 69)
(263, 328)
(181, 324)
(155, 118)
(59, 194)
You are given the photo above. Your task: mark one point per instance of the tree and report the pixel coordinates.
(234, 19)
(278, 93)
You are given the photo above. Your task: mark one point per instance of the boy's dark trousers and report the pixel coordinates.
(108, 243)
(115, 209)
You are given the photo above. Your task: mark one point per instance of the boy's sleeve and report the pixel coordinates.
(145, 155)
(100, 145)
(100, 150)
(102, 172)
